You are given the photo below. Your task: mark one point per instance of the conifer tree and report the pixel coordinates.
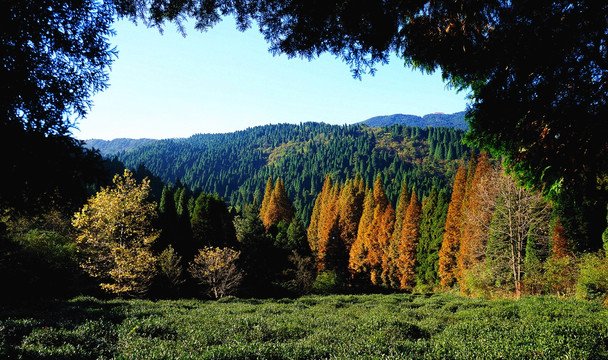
(451, 239)
(559, 241)
(425, 267)
(331, 252)
(267, 194)
(475, 221)
(350, 208)
(313, 227)
(375, 237)
(410, 235)
(279, 207)
(358, 262)
(402, 204)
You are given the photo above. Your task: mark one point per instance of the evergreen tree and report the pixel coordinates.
(211, 223)
(425, 267)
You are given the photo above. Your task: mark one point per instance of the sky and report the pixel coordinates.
(167, 85)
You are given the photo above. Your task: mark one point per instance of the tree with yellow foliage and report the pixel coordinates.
(114, 236)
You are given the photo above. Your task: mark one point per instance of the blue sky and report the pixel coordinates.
(223, 80)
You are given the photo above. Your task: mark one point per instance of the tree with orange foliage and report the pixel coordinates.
(377, 243)
(559, 241)
(476, 220)
(390, 268)
(331, 254)
(451, 238)
(279, 207)
(314, 226)
(358, 263)
(350, 208)
(410, 235)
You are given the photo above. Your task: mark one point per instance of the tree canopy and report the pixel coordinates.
(537, 70)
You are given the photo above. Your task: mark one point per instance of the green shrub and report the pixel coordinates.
(592, 282)
(327, 282)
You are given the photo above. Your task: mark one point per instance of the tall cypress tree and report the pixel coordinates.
(424, 268)
(410, 235)
(450, 245)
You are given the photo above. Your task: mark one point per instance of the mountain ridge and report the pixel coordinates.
(455, 120)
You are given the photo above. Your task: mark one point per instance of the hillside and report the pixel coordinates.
(455, 120)
(108, 147)
(237, 165)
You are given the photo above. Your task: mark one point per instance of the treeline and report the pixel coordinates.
(236, 166)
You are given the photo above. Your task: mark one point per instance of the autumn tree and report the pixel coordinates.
(475, 220)
(451, 238)
(331, 252)
(350, 208)
(279, 207)
(318, 211)
(267, 194)
(115, 235)
(559, 241)
(216, 268)
(358, 263)
(390, 269)
(410, 236)
(379, 232)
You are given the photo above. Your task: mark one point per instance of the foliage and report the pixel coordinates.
(170, 268)
(450, 246)
(55, 55)
(592, 283)
(397, 326)
(237, 165)
(115, 235)
(216, 268)
(327, 282)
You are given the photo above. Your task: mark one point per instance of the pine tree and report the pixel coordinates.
(451, 239)
(410, 235)
(425, 267)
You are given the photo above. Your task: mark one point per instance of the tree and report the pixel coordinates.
(279, 207)
(211, 223)
(358, 263)
(410, 236)
(451, 238)
(55, 55)
(517, 215)
(537, 70)
(217, 269)
(475, 220)
(115, 235)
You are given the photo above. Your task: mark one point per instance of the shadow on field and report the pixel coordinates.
(82, 328)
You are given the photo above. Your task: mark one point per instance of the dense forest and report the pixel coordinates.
(236, 165)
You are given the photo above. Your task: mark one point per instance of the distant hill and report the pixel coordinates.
(455, 120)
(237, 165)
(109, 147)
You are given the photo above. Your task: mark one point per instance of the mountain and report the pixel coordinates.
(237, 165)
(455, 120)
(108, 147)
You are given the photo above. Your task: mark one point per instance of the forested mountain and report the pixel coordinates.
(108, 147)
(455, 120)
(237, 165)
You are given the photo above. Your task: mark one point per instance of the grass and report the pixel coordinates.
(440, 326)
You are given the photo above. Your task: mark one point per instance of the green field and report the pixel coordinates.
(398, 326)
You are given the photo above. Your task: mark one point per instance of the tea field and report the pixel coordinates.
(398, 326)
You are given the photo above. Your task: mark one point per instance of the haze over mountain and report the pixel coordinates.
(455, 120)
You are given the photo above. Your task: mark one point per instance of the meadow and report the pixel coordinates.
(397, 326)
